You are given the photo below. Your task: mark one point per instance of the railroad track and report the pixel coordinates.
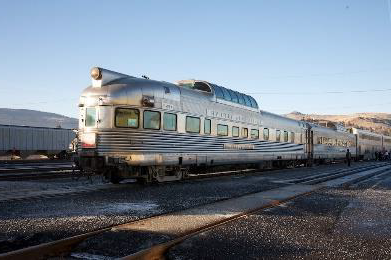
(35, 175)
(33, 171)
(206, 217)
(10, 168)
(35, 161)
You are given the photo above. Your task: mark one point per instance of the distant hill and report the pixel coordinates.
(35, 118)
(375, 122)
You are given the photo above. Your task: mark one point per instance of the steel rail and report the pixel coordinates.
(34, 168)
(343, 173)
(41, 175)
(37, 161)
(158, 251)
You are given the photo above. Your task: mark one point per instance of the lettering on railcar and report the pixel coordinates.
(167, 106)
(239, 146)
(240, 118)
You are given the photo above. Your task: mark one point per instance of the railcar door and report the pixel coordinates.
(309, 145)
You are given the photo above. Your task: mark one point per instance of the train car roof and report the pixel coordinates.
(114, 87)
(279, 121)
(35, 127)
(360, 131)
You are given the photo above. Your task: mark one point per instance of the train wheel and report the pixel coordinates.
(115, 179)
(113, 176)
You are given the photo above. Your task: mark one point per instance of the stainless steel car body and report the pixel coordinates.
(135, 147)
(368, 143)
(387, 143)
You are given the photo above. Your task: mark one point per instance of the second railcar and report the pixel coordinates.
(367, 144)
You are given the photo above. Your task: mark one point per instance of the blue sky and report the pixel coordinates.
(294, 53)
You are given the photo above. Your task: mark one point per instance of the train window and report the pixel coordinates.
(207, 126)
(278, 135)
(222, 130)
(201, 86)
(256, 103)
(151, 119)
(292, 137)
(247, 100)
(265, 134)
(285, 136)
(301, 138)
(192, 124)
(235, 131)
(233, 96)
(227, 96)
(254, 133)
(218, 91)
(127, 117)
(169, 122)
(244, 132)
(241, 99)
(90, 116)
(253, 102)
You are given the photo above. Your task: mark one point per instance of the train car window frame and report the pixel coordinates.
(278, 135)
(218, 92)
(90, 120)
(144, 121)
(266, 134)
(165, 120)
(210, 126)
(187, 124)
(245, 132)
(235, 131)
(286, 136)
(223, 128)
(234, 97)
(254, 103)
(128, 126)
(227, 95)
(241, 98)
(253, 136)
(247, 100)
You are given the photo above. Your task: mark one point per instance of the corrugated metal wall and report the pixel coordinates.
(24, 138)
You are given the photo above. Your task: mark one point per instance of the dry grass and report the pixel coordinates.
(375, 122)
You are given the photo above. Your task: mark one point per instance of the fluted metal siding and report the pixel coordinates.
(156, 147)
(31, 139)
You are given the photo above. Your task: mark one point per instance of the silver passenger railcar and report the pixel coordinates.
(151, 130)
(331, 144)
(368, 143)
(386, 143)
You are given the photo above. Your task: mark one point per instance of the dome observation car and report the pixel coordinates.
(220, 92)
